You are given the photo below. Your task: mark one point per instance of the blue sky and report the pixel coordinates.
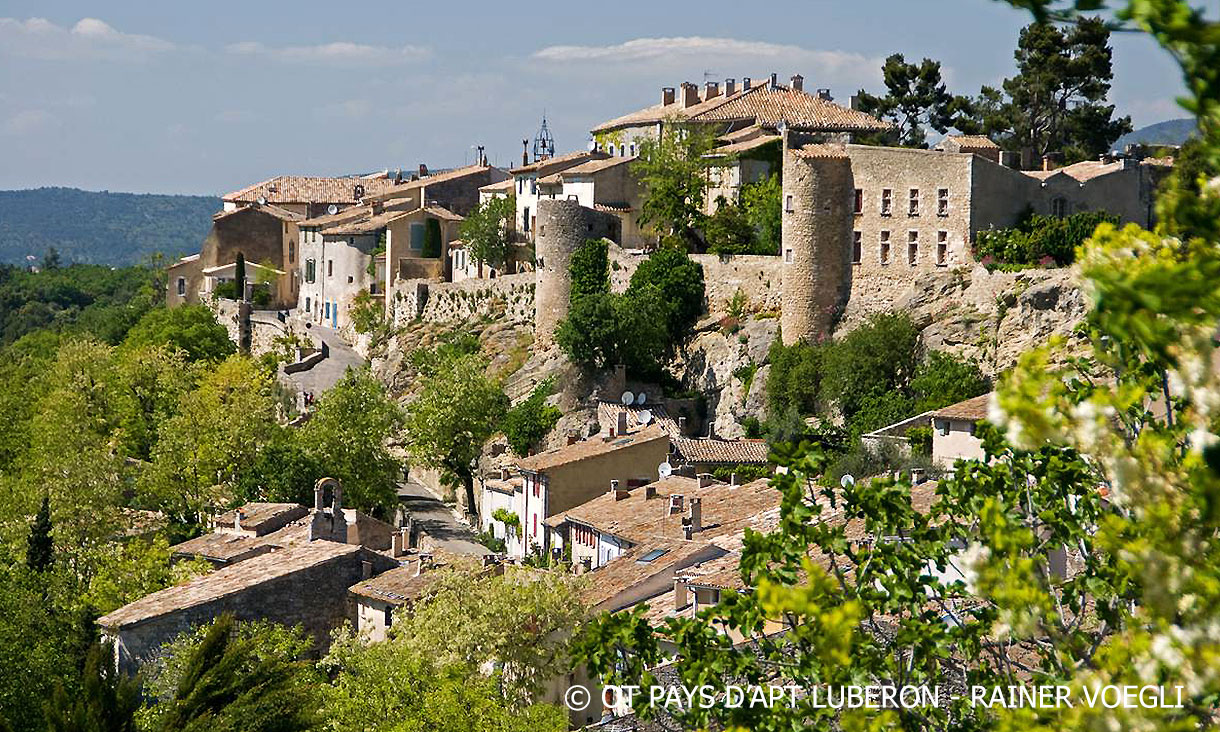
(208, 97)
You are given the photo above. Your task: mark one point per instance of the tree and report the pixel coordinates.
(916, 100)
(39, 550)
(284, 471)
(107, 701)
(135, 568)
(680, 279)
(150, 382)
(1056, 102)
(190, 328)
(239, 276)
(432, 238)
(458, 408)
(878, 357)
(729, 231)
(672, 171)
(348, 438)
(528, 422)
(589, 269)
(487, 229)
(761, 200)
(608, 329)
(943, 379)
(50, 260)
(231, 681)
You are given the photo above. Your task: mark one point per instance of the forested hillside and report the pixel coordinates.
(99, 227)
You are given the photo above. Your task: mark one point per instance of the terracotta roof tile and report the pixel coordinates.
(736, 148)
(223, 547)
(798, 109)
(972, 142)
(395, 190)
(628, 571)
(259, 516)
(591, 447)
(607, 416)
(974, 408)
(559, 162)
(703, 450)
(282, 214)
(306, 189)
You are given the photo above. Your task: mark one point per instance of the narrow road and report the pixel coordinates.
(328, 372)
(437, 522)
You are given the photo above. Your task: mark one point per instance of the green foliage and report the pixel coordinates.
(367, 313)
(284, 471)
(239, 276)
(226, 290)
(237, 681)
(680, 279)
(729, 231)
(106, 702)
(920, 439)
(745, 472)
(454, 345)
(603, 330)
(511, 521)
(39, 550)
(105, 228)
(348, 437)
(588, 269)
(795, 378)
(130, 570)
(1057, 101)
(527, 423)
(761, 201)
(916, 100)
(861, 369)
(1038, 239)
(81, 298)
(943, 379)
(190, 328)
(486, 230)
(672, 171)
(432, 238)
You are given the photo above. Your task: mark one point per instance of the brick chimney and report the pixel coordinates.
(690, 95)
(917, 476)
(667, 95)
(681, 594)
(366, 569)
(676, 504)
(711, 90)
(238, 515)
(798, 82)
(705, 479)
(694, 516)
(730, 87)
(650, 491)
(1050, 161)
(682, 425)
(825, 94)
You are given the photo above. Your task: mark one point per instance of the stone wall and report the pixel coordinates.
(265, 326)
(563, 226)
(510, 298)
(758, 277)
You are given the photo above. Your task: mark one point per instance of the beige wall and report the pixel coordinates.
(959, 444)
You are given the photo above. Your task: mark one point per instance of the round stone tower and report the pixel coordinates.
(563, 226)
(817, 226)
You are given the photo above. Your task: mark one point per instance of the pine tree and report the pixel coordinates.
(39, 551)
(106, 702)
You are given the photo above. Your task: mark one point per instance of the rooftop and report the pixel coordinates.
(640, 564)
(746, 145)
(559, 162)
(397, 189)
(974, 409)
(972, 142)
(771, 106)
(307, 189)
(282, 214)
(406, 583)
(228, 581)
(821, 151)
(592, 447)
(222, 547)
(607, 415)
(259, 516)
(708, 450)
(590, 167)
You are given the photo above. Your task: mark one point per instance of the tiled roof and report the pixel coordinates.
(974, 408)
(228, 581)
(736, 148)
(613, 207)
(798, 109)
(260, 516)
(395, 190)
(282, 214)
(722, 573)
(505, 185)
(306, 189)
(406, 583)
(222, 547)
(592, 447)
(441, 212)
(559, 162)
(366, 224)
(702, 450)
(347, 214)
(660, 112)
(591, 167)
(743, 134)
(607, 416)
(973, 142)
(626, 572)
(821, 151)
(510, 486)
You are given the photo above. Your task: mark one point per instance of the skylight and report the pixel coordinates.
(651, 555)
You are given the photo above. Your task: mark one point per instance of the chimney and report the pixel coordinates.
(336, 503)
(732, 480)
(745, 83)
(622, 422)
(774, 80)
(1050, 161)
(798, 82)
(366, 569)
(711, 90)
(690, 95)
(1010, 159)
(681, 425)
(667, 95)
(525, 152)
(611, 435)
(398, 542)
(854, 102)
(423, 170)
(705, 479)
(711, 430)
(681, 594)
(504, 474)
(695, 514)
(825, 94)
(917, 476)
(730, 87)
(688, 531)
(613, 486)
(676, 504)
(573, 437)
(650, 491)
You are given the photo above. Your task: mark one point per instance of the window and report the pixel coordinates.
(943, 427)
(885, 247)
(610, 149)
(533, 186)
(292, 252)
(181, 285)
(633, 149)
(788, 204)
(652, 556)
(520, 185)
(330, 268)
(307, 305)
(389, 615)
(417, 235)
(912, 247)
(1059, 207)
(326, 309)
(350, 280)
(942, 248)
(913, 203)
(887, 201)
(942, 202)
(525, 219)
(788, 256)
(857, 244)
(311, 270)
(859, 204)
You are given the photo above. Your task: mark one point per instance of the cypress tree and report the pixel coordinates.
(39, 551)
(239, 276)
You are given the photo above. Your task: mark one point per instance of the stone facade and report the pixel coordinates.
(816, 237)
(259, 235)
(510, 298)
(757, 277)
(563, 226)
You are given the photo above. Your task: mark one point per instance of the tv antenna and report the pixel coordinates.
(645, 416)
(641, 398)
(665, 470)
(628, 398)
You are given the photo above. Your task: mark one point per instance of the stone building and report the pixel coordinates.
(308, 196)
(563, 226)
(526, 190)
(953, 429)
(606, 185)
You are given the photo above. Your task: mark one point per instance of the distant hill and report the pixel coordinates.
(99, 227)
(1169, 132)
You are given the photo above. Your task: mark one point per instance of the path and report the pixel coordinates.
(437, 522)
(330, 369)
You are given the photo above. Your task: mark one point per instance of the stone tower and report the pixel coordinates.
(817, 225)
(563, 226)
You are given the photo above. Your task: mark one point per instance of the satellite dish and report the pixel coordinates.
(641, 398)
(645, 415)
(332, 209)
(262, 200)
(628, 398)
(665, 470)
(847, 480)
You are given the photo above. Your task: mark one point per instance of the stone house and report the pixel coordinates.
(378, 598)
(457, 190)
(740, 159)
(953, 429)
(606, 185)
(305, 585)
(526, 190)
(557, 480)
(309, 196)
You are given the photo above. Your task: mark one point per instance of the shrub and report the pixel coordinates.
(680, 279)
(527, 423)
(728, 231)
(588, 269)
(432, 238)
(761, 201)
(1038, 239)
(921, 440)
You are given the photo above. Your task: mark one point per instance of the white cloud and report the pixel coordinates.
(89, 39)
(29, 121)
(691, 47)
(339, 53)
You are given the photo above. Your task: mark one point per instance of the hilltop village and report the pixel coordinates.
(652, 463)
